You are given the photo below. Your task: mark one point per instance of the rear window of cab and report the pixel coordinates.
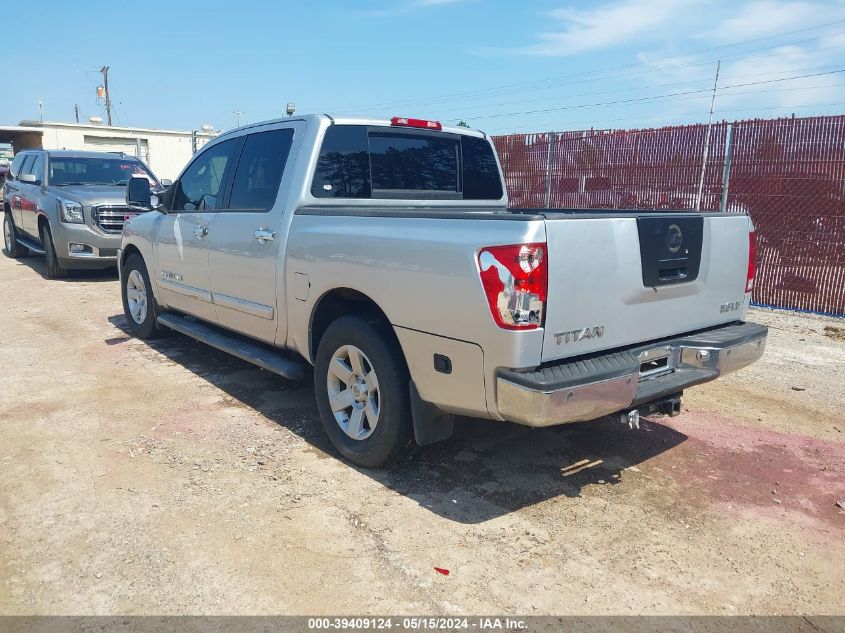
(358, 161)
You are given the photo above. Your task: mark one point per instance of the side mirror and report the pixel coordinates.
(29, 178)
(138, 196)
(166, 182)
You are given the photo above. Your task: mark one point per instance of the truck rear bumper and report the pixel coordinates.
(600, 384)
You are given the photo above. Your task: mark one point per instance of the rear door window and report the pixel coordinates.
(260, 169)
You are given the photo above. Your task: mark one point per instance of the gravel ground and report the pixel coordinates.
(168, 478)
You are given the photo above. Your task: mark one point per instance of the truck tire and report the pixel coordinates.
(10, 238)
(361, 383)
(139, 305)
(54, 266)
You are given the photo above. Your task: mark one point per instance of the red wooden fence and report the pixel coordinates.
(788, 174)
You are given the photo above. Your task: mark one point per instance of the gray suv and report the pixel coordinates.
(69, 206)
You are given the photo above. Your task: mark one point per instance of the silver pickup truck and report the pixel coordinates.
(384, 254)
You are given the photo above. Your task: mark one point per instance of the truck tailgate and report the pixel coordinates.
(618, 280)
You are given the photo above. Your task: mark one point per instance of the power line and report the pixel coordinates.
(543, 128)
(649, 98)
(538, 83)
(629, 89)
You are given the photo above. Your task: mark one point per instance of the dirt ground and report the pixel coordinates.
(172, 479)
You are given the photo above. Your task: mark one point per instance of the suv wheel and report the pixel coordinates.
(54, 267)
(10, 238)
(139, 305)
(361, 384)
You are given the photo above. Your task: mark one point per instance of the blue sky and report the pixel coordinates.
(501, 66)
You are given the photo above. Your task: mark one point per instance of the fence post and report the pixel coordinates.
(726, 169)
(549, 170)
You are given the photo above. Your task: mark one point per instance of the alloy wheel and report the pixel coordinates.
(353, 391)
(7, 234)
(136, 296)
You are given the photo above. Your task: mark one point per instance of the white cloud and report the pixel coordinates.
(762, 18)
(605, 26)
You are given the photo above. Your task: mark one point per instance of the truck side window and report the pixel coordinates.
(260, 170)
(199, 188)
(343, 169)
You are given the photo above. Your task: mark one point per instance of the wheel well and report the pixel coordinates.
(130, 249)
(337, 303)
(42, 222)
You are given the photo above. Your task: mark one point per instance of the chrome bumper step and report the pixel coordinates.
(590, 387)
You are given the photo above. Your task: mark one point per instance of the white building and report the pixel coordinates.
(165, 151)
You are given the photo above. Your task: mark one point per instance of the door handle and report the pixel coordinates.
(264, 235)
(200, 232)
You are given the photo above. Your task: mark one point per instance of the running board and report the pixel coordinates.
(32, 246)
(264, 356)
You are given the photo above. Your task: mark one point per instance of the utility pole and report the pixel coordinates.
(76, 111)
(41, 110)
(707, 140)
(237, 114)
(105, 71)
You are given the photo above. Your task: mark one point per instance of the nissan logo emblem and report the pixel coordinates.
(674, 238)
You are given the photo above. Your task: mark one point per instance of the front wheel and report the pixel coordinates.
(138, 303)
(55, 270)
(361, 384)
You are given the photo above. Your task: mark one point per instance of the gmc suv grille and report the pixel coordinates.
(111, 219)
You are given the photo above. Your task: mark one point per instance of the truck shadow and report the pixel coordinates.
(485, 470)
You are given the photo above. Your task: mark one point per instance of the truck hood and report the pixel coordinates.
(89, 195)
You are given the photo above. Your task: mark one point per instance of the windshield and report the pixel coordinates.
(78, 170)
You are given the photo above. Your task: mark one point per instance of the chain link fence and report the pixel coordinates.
(788, 174)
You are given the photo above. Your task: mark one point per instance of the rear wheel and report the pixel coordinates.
(361, 384)
(10, 238)
(55, 270)
(139, 305)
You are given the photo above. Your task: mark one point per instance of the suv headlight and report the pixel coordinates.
(70, 211)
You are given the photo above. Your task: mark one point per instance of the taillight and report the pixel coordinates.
(752, 261)
(515, 280)
(402, 121)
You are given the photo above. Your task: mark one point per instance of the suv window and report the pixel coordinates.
(357, 161)
(15, 167)
(87, 170)
(27, 165)
(199, 188)
(260, 169)
(37, 169)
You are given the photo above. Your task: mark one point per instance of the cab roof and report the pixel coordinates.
(339, 119)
